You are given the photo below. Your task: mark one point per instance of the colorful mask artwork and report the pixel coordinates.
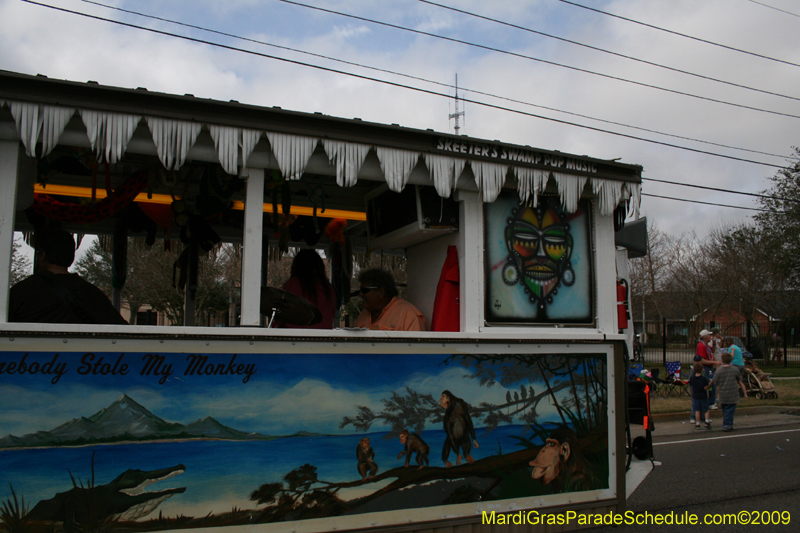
(538, 262)
(539, 247)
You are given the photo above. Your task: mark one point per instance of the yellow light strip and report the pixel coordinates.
(165, 199)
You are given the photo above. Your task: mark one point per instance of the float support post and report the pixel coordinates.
(251, 262)
(9, 160)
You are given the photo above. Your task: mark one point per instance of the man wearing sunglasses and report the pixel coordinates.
(383, 310)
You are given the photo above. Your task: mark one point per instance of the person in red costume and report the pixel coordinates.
(383, 310)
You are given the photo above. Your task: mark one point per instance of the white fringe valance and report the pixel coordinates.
(54, 122)
(347, 158)
(226, 141)
(250, 139)
(109, 133)
(26, 117)
(33, 120)
(633, 192)
(609, 194)
(396, 166)
(173, 139)
(444, 172)
(490, 178)
(531, 182)
(569, 189)
(292, 153)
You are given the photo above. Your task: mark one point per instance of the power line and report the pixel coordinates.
(707, 188)
(624, 56)
(523, 56)
(775, 8)
(246, 39)
(395, 84)
(680, 34)
(704, 203)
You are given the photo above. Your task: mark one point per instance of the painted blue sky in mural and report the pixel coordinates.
(281, 395)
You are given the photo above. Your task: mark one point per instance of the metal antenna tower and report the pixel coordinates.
(458, 113)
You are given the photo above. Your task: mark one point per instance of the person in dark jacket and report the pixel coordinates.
(53, 294)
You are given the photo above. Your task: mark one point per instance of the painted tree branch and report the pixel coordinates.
(494, 467)
(412, 414)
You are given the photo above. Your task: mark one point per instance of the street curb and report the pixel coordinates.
(744, 411)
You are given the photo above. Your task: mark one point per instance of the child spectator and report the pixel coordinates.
(699, 385)
(728, 380)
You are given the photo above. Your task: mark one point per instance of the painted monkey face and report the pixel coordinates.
(540, 246)
(547, 465)
(365, 444)
(444, 401)
(403, 438)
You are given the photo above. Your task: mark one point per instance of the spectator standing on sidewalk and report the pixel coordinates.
(728, 381)
(699, 385)
(736, 353)
(705, 356)
(716, 351)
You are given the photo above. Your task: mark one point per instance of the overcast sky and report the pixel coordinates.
(40, 40)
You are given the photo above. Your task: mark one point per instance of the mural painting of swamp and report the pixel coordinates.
(143, 441)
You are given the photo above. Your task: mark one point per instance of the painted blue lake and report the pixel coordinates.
(219, 474)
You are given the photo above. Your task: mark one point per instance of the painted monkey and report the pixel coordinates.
(458, 426)
(414, 444)
(560, 462)
(366, 455)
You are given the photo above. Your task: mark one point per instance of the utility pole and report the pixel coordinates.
(458, 113)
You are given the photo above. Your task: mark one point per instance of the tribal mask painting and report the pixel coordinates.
(538, 262)
(539, 247)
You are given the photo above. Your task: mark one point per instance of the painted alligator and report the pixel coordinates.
(123, 498)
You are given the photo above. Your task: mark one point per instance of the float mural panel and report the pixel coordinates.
(232, 439)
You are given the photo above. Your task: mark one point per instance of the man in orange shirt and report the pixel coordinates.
(383, 310)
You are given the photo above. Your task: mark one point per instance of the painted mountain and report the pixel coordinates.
(125, 420)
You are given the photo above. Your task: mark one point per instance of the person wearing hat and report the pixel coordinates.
(704, 355)
(383, 309)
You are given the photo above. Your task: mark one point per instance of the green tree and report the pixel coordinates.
(21, 266)
(150, 277)
(780, 223)
(745, 269)
(688, 284)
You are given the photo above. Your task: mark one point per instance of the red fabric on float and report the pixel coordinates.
(446, 313)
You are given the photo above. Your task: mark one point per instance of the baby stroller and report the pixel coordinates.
(758, 383)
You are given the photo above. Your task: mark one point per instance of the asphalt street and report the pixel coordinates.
(755, 468)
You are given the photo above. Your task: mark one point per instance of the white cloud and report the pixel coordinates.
(346, 32)
(309, 405)
(53, 407)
